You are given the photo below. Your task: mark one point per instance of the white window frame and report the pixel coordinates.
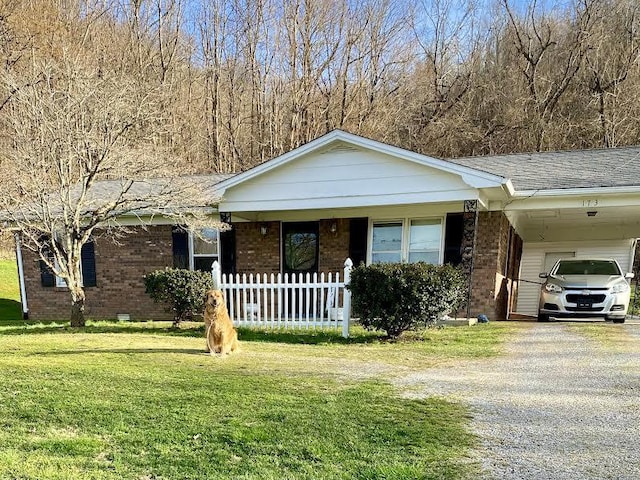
(406, 233)
(193, 255)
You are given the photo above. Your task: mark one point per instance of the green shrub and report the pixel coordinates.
(395, 297)
(182, 290)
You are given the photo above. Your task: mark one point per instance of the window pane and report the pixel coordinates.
(425, 241)
(393, 257)
(429, 257)
(387, 237)
(203, 263)
(206, 247)
(300, 250)
(425, 235)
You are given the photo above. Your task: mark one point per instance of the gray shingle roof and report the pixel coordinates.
(604, 167)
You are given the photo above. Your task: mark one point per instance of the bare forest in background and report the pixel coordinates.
(237, 82)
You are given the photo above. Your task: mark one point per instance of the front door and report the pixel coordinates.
(300, 242)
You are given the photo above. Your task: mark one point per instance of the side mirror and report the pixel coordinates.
(543, 275)
(629, 275)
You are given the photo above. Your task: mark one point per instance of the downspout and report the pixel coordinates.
(23, 290)
(636, 293)
(632, 255)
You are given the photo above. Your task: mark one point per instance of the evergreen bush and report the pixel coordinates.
(395, 297)
(182, 290)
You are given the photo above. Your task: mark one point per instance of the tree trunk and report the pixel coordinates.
(77, 309)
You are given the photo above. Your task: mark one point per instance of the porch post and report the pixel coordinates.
(469, 234)
(346, 305)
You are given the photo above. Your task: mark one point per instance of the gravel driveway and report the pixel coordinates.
(557, 406)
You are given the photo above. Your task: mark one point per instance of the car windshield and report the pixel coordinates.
(587, 267)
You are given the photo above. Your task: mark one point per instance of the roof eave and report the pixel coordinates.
(561, 192)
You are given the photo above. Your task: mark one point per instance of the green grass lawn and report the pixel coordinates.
(120, 400)
(10, 310)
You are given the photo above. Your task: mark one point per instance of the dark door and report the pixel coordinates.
(300, 242)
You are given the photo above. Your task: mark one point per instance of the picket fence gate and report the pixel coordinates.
(302, 301)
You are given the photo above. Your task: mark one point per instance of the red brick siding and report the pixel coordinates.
(256, 253)
(120, 287)
(489, 289)
(334, 246)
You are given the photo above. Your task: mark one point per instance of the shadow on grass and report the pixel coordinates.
(10, 312)
(127, 351)
(292, 337)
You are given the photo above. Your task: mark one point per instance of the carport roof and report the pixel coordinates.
(604, 167)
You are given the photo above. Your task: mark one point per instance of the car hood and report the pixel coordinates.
(586, 281)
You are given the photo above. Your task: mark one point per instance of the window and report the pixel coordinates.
(60, 282)
(300, 247)
(87, 272)
(424, 241)
(386, 245)
(409, 240)
(204, 251)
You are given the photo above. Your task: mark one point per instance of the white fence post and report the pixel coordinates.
(346, 307)
(215, 275)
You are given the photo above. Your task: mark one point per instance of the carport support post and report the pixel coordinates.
(469, 235)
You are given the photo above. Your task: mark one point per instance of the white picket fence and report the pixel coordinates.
(303, 301)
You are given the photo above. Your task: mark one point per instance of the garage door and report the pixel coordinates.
(539, 257)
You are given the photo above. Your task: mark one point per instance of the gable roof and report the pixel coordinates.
(471, 175)
(604, 167)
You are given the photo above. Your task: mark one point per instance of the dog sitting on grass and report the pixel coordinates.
(221, 337)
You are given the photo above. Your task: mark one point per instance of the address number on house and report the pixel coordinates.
(592, 202)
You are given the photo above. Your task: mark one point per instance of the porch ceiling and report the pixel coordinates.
(551, 225)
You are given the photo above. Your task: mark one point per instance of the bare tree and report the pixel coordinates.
(81, 148)
(551, 52)
(614, 53)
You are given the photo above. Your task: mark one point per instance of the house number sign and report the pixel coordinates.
(592, 202)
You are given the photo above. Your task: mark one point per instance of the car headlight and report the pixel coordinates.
(552, 288)
(620, 287)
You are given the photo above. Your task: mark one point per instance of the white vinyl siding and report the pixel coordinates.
(343, 178)
(533, 262)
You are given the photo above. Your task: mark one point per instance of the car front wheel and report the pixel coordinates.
(616, 320)
(543, 317)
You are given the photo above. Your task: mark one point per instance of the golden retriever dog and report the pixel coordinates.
(221, 337)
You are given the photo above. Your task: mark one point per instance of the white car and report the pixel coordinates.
(585, 287)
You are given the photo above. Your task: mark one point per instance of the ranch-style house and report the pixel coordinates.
(505, 218)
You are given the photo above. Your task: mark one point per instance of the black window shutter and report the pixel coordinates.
(358, 232)
(227, 247)
(88, 263)
(228, 251)
(180, 247)
(47, 277)
(453, 238)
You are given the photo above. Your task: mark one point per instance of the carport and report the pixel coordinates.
(565, 204)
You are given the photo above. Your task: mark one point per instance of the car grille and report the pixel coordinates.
(576, 298)
(586, 309)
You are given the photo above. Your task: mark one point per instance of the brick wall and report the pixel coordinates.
(256, 253)
(490, 287)
(120, 288)
(334, 246)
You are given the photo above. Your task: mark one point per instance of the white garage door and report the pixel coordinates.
(539, 257)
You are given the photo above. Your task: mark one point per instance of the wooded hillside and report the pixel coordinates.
(236, 82)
